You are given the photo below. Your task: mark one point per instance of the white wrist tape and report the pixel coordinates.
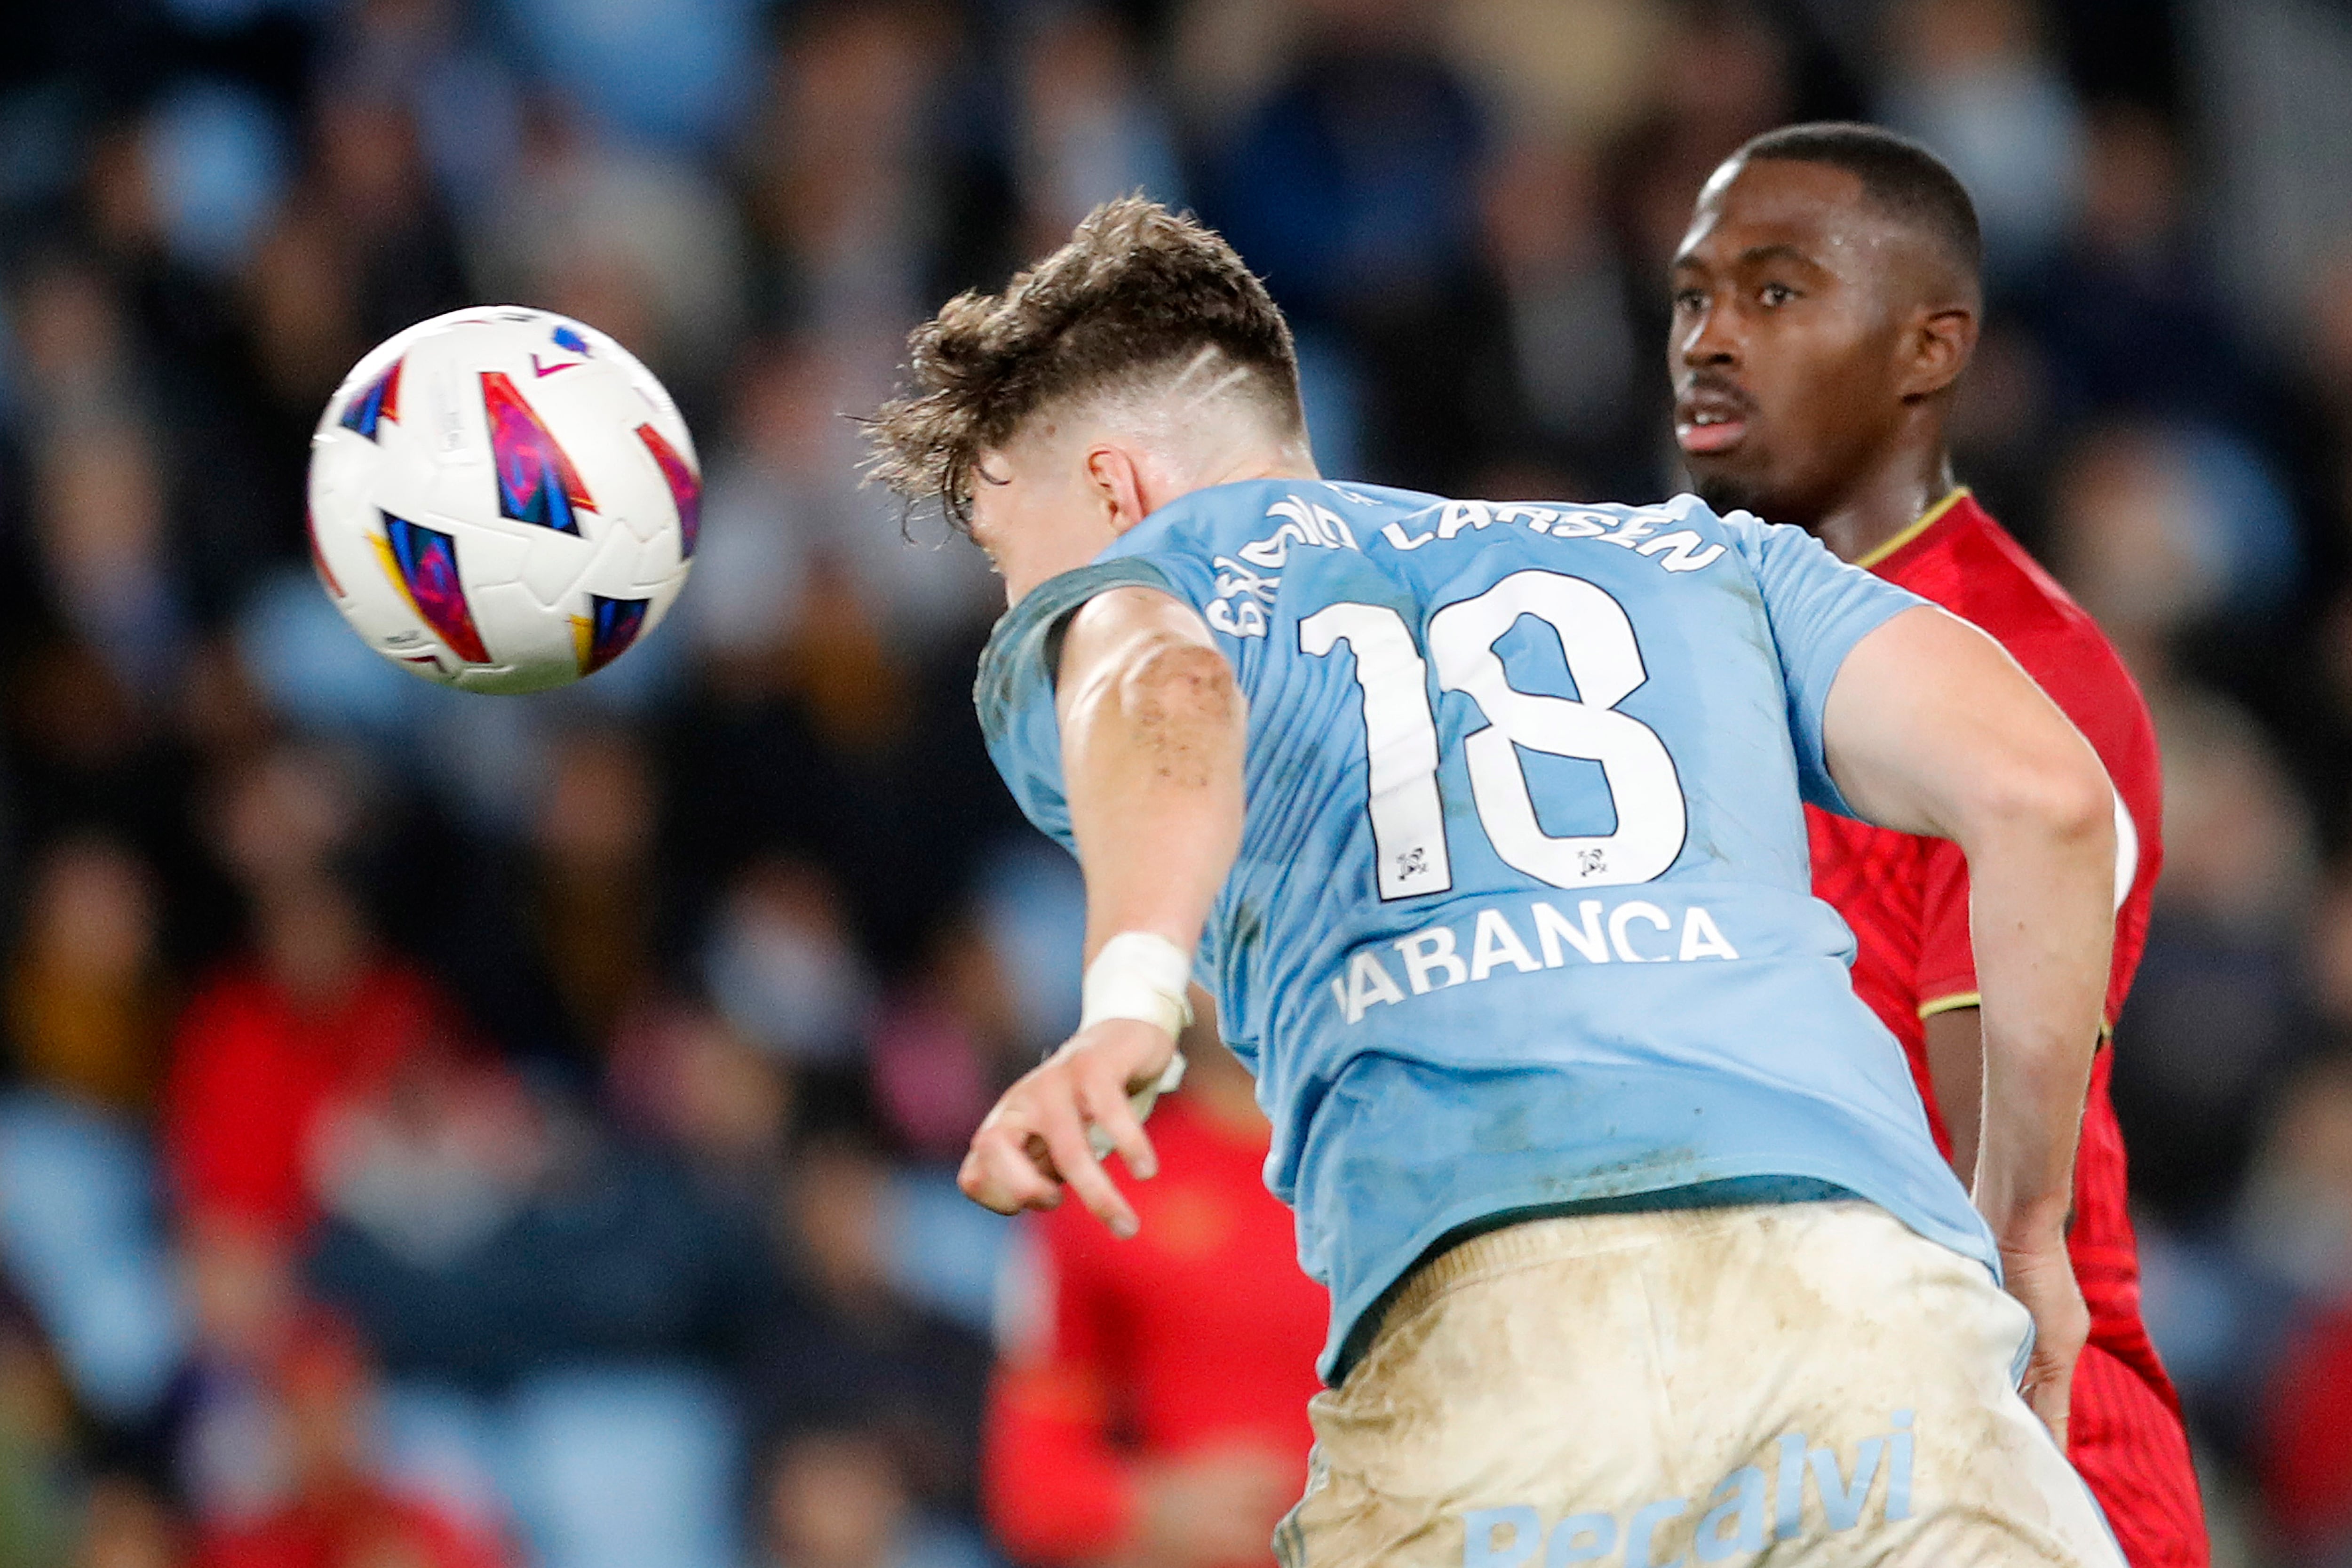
(1142, 977)
(1138, 975)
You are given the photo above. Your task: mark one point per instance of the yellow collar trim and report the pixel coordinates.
(1928, 519)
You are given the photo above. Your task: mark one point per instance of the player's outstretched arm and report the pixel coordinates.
(1932, 728)
(1153, 730)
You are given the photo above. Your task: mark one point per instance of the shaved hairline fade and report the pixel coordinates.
(1139, 293)
(1900, 178)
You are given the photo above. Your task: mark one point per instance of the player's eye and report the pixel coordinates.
(1775, 295)
(1690, 300)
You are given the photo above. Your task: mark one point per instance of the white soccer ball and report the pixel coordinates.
(502, 499)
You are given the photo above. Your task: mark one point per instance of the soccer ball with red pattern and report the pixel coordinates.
(502, 499)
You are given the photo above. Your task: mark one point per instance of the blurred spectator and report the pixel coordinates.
(1724, 75)
(37, 1418)
(481, 1233)
(1353, 188)
(87, 1006)
(682, 1074)
(843, 171)
(2330, 952)
(332, 1511)
(1090, 128)
(464, 99)
(2163, 531)
(814, 588)
(550, 947)
(101, 540)
(1571, 357)
(836, 1499)
(433, 1160)
(2128, 308)
(1352, 181)
(267, 1048)
(1569, 70)
(2298, 1224)
(362, 249)
(2217, 1010)
(316, 1016)
(847, 1347)
(126, 1525)
(781, 965)
(214, 159)
(1151, 1406)
(1975, 80)
(676, 74)
(642, 245)
(945, 1046)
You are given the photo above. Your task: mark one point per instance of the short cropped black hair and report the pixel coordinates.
(1137, 291)
(1898, 175)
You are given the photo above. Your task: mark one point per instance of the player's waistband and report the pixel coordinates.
(1515, 1237)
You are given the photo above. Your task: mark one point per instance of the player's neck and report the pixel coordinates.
(1884, 503)
(1290, 460)
(1067, 543)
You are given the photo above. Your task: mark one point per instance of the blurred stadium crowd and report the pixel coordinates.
(533, 1120)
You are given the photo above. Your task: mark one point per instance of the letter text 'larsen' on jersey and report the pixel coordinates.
(1522, 913)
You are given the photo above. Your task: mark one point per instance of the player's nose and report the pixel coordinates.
(1707, 338)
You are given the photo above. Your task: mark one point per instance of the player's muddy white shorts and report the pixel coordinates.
(1788, 1384)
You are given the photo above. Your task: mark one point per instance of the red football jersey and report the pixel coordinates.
(1906, 899)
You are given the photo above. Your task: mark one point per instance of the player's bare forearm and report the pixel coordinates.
(2042, 875)
(2041, 920)
(1931, 728)
(1153, 726)
(1152, 732)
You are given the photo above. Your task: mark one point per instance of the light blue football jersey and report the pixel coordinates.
(1522, 916)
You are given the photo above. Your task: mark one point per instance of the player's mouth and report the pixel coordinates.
(1710, 420)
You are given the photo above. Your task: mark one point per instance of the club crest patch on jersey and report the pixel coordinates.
(685, 486)
(373, 403)
(423, 562)
(605, 633)
(537, 483)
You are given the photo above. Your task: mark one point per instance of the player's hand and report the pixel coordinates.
(1034, 1140)
(2042, 1276)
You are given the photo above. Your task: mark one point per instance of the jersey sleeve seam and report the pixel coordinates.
(1960, 999)
(1951, 1004)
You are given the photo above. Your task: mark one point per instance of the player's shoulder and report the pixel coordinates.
(1977, 569)
(1966, 560)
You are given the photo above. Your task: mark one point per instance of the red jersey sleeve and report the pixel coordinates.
(1948, 964)
(1057, 1487)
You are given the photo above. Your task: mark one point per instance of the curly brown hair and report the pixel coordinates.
(1138, 289)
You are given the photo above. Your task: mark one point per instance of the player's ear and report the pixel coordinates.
(1937, 348)
(1117, 483)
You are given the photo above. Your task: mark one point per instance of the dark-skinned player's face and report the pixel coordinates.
(1787, 351)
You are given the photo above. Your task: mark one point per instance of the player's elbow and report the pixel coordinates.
(2056, 792)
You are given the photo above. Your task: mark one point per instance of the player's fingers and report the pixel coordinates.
(997, 1173)
(982, 1184)
(1105, 1105)
(2049, 1390)
(1066, 1139)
